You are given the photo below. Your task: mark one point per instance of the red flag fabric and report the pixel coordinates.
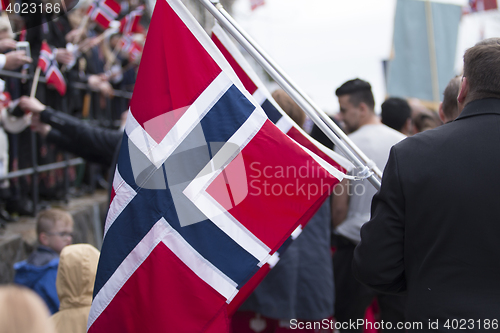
(206, 189)
(103, 12)
(4, 4)
(130, 23)
(48, 64)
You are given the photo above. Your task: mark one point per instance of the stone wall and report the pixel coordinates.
(18, 240)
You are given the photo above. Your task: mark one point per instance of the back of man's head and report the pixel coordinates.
(450, 105)
(482, 69)
(358, 91)
(395, 113)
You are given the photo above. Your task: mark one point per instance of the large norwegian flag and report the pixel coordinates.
(206, 190)
(103, 12)
(130, 23)
(48, 64)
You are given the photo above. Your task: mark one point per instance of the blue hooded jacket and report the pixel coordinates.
(39, 273)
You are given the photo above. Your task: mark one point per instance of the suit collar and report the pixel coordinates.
(479, 107)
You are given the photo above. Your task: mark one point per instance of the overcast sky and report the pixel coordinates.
(322, 43)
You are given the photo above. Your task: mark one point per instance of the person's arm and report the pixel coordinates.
(93, 143)
(379, 257)
(340, 203)
(14, 60)
(59, 139)
(86, 141)
(65, 143)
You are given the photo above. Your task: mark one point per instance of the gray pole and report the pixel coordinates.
(319, 117)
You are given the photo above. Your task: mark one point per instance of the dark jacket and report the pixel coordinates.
(435, 222)
(39, 273)
(94, 144)
(301, 284)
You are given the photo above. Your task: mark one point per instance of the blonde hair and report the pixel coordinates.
(23, 311)
(46, 219)
(288, 105)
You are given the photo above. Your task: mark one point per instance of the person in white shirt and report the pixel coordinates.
(351, 205)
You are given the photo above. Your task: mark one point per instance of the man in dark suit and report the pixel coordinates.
(435, 223)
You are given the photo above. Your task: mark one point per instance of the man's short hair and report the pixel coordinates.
(395, 112)
(450, 104)
(46, 219)
(358, 91)
(482, 69)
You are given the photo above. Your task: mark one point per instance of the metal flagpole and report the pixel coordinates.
(319, 117)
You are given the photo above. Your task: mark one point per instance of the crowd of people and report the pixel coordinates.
(421, 248)
(95, 64)
(97, 69)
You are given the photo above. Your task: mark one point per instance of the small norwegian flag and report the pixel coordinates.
(482, 5)
(103, 12)
(257, 3)
(130, 47)
(48, 64)
(130, 23)
(135, 52)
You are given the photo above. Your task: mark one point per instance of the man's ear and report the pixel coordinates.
(363, 107)
(464, 90)
(441, 113)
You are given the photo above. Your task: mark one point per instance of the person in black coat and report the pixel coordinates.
(94, 144)
(435, 224)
